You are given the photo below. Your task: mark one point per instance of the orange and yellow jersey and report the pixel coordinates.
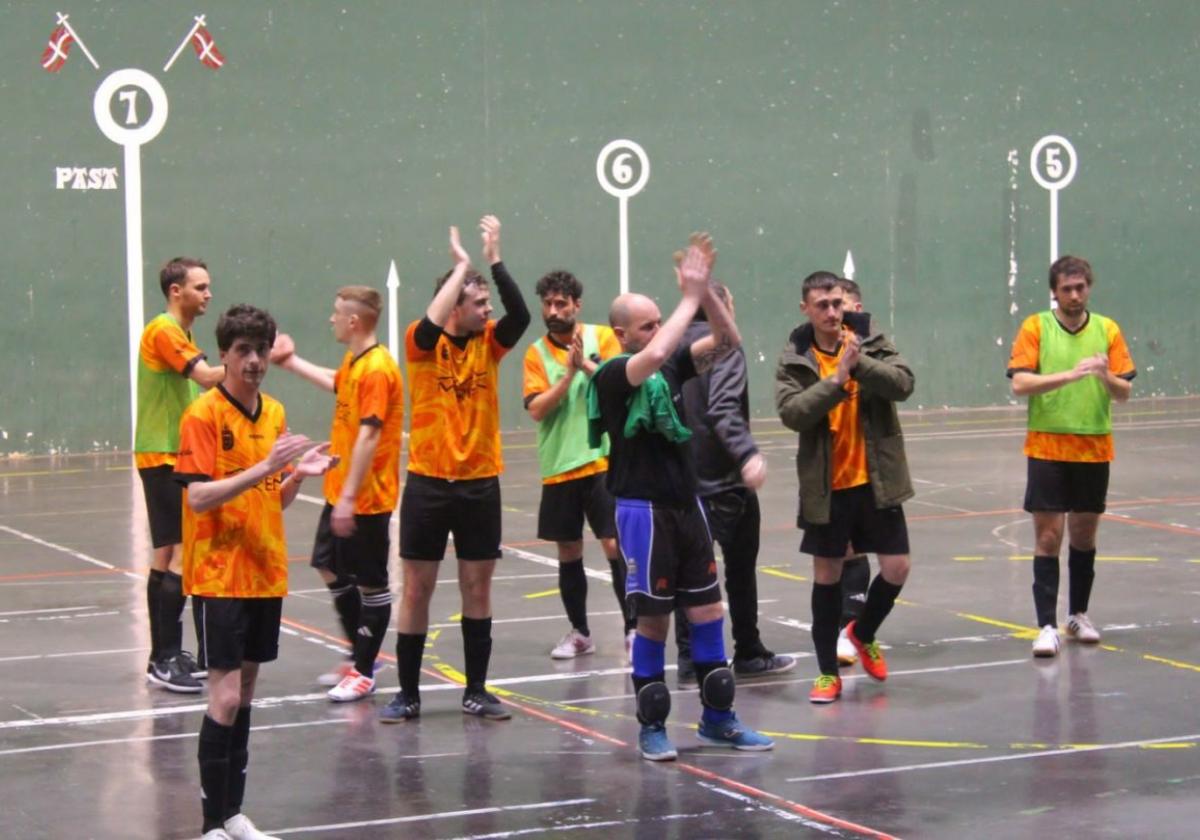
(1054, 446)
(849, 467)
(536, 381)
(237, 549)
(368, 391)
(166, 356)
(455, 431)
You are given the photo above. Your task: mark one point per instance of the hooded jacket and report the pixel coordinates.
(803, 400)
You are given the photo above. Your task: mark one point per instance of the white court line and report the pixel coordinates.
(966, 762)
(50, 610)
(31, 656)
(751, 802)
(444, 815)
(78, 555)
(138, 739)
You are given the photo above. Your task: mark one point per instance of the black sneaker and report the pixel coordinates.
(173, 675)
(482, 704)
(400, 709)
(193, 666)
(766, 665)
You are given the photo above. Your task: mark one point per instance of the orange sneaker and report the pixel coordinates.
(869, 654)
(826, 689)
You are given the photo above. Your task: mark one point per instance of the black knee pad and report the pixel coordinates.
(653, 703)
(716, 691)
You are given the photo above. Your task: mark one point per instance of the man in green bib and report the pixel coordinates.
(1071, 363)
(171, 372)
(557, 369)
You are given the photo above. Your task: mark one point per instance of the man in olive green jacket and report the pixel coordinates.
(837, 384)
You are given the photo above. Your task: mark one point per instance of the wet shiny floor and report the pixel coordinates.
(968, 737)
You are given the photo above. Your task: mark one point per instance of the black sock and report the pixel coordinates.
(856, 579)
(573, 586)
(347, 603)
(410, 649)
(617, 566)
(881, 597)
(170, 615)
(1082, 568)
(826, 607)
(1045, 590)
(198, 625)
(477, 650)
(376, 616)
(213, 755)
(153, 587)
(239, 757)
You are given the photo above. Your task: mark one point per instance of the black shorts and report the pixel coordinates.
(668, 555)
(363, 556)
(238, 630)
(164, 504)
(854, 520)
(432, 508)
(564, 506)
(1066, 486)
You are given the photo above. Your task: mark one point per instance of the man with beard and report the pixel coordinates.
(1072, 364)
(557, 369)
(453, 356)
(660, 523)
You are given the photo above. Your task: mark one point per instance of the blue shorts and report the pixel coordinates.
(669, 556)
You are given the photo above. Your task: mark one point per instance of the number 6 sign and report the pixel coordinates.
(619, 179)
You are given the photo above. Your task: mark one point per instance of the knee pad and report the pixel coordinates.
(717, 688)
(653, 703)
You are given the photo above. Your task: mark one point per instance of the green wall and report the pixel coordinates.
(341, 136)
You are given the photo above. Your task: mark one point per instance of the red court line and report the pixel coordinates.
(1159, 526)
(63, 574)
(707, 775)
(1174, 500)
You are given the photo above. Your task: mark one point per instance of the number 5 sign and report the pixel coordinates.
(1052, 164)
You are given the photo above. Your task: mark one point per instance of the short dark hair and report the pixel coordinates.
(244, 321)
(559, 282)
(174, 272)
(822, 281)
(473, 278)
(1068, 266)
(849, 287)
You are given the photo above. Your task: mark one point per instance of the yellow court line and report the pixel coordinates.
(1100, 558)
(1174, 663)
(455, 617)
(544, 594)
(1185, 745)
(31, 473)
(969, 558)
(785, 575)
(1019, 630)
(941, 745)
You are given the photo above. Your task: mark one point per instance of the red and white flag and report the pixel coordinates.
(206, 49)
(55, 54)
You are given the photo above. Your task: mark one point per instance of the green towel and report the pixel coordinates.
(650, 410)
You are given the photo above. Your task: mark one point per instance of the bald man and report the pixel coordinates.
(660, 524)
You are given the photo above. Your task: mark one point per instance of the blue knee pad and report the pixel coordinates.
(708, 641)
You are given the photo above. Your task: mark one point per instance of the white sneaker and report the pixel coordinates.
(629, 646)
(239, 827)
(216, 834)
(1081, 629)
(354, 686)
(1047, 642)
(847, 655)
(573, 644)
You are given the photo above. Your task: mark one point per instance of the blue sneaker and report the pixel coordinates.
(733, 733)
(654, 743)
(400, 709)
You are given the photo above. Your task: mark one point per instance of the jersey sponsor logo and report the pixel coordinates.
(660, 585)
(467, 388)
(226, 438)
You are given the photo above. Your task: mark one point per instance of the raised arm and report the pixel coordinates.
(446, 298)
(516, 318)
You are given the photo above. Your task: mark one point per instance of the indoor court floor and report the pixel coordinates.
(969, 737)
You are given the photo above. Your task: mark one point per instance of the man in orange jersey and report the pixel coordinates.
(234, 453)
(557, 369)
(837, 383)
(350, 551)
(454, 462)
(1071, 363)
(171, 372)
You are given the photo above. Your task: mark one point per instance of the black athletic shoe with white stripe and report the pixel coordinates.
(482, 704)
(193, 666)
(173, 675)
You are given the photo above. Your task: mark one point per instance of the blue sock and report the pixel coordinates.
(649, 658)
(708, 654)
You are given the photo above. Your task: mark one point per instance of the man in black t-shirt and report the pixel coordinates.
(660, 525)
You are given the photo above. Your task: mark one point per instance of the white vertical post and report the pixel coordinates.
(133, 271)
